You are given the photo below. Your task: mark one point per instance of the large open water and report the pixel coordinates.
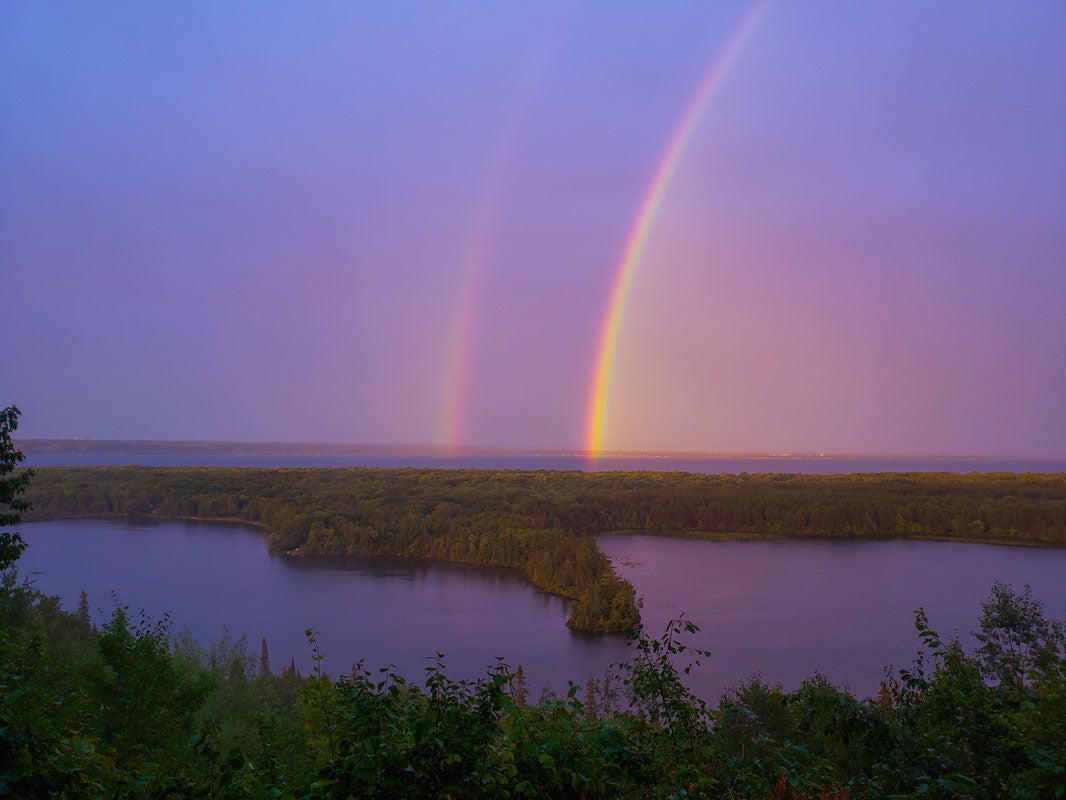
(705, 464)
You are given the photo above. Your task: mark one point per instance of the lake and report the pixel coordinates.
(629, 463)
(782, 607)
(384, 610)
(789, 607)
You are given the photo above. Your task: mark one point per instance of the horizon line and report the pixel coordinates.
(516, 449)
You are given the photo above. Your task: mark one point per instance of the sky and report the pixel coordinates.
(409, 223)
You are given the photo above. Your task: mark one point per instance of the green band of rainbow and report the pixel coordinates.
(637, 239)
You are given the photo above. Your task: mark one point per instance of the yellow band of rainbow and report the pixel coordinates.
(629, 262)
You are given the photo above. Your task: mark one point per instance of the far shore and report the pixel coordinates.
(709, 536)
(745, 536)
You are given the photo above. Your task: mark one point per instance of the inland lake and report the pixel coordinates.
(783, 608)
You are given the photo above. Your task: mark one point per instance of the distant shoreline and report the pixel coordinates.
(751, 536)
(112, 447)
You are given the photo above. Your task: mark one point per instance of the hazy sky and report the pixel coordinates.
(401, 223)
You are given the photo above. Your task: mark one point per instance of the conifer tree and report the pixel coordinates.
(264, 658)
(82, 614)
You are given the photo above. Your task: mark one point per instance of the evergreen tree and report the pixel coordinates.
(82, 614)
(264, 658)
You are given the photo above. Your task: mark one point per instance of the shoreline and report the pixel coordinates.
(751, 536)
(710, 536)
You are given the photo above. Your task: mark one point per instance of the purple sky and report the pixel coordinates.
(253, 221)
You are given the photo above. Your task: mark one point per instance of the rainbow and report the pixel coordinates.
(459, 345)
(637, 239)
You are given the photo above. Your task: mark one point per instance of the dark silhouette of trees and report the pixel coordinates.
(12, 486)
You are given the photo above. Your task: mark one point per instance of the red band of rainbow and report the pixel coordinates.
(629, 262)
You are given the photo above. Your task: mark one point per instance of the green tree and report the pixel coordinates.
(264, 658)
(145, 696)
(12, 486)
(82, 614)
(1017, 642)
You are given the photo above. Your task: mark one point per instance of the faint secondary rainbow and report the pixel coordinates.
(637, 239)
(459, 347)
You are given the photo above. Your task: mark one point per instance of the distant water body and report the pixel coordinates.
(704, 464)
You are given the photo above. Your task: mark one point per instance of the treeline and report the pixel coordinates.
(128, 711)
(1008, 507)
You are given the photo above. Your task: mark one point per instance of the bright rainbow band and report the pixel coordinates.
(629, 263)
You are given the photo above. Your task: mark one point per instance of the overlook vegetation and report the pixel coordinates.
(544, 522)
(131, 711)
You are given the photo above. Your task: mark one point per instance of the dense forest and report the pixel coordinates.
(543, 522)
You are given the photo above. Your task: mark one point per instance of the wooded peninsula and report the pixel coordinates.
(544, 522)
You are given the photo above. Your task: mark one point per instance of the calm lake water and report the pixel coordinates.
(785, 608)
(705, 464)
(383, 610)
(788, 608)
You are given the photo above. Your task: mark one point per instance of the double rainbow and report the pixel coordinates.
(459, 345)
(637, 239)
